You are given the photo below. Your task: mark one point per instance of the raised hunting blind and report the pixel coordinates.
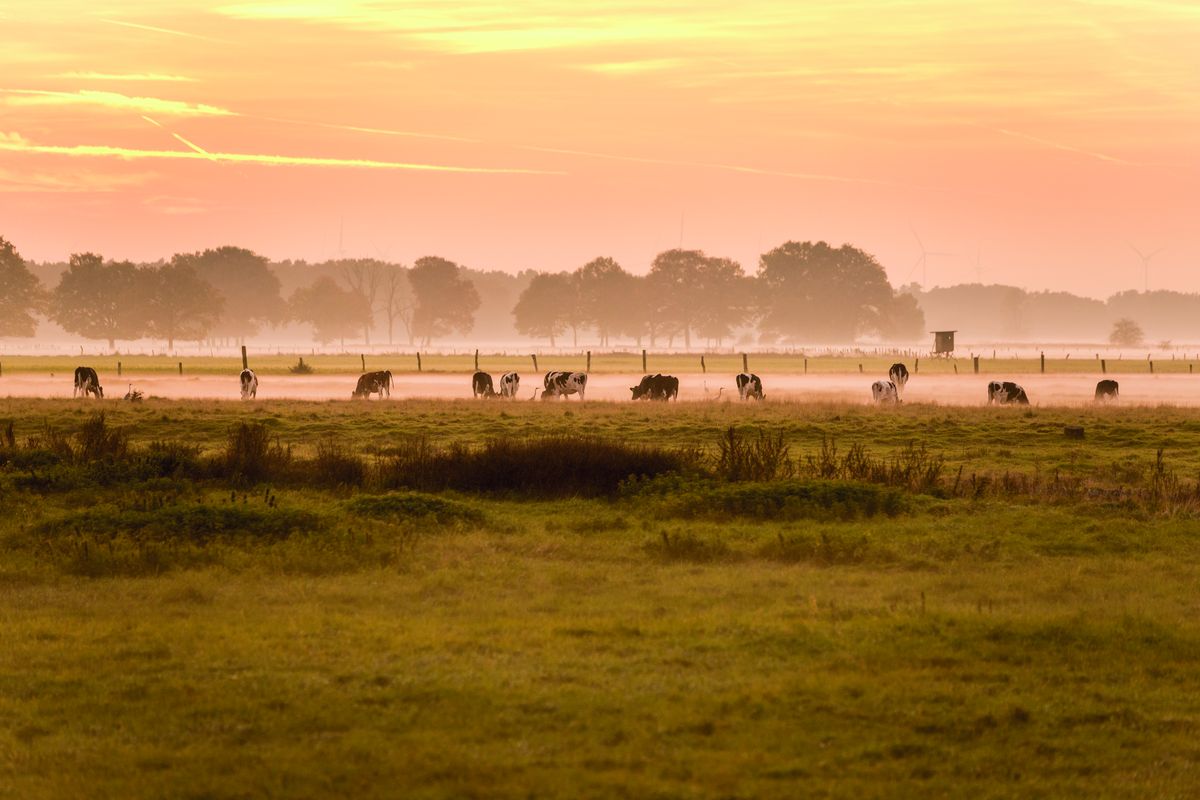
(943, 342)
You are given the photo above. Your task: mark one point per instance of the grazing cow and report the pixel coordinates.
(656, 387)
(510, 382)
(481, 385)
(87, 382)
(749, 386)
(371, 382)
(1107, 390)
(1006, 392)
(885, 392)
(899, 376)
(249, 383)
(561, 384)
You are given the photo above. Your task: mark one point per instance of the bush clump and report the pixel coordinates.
(547, 466)
(680, 496)
(402, 507)
(196, 524)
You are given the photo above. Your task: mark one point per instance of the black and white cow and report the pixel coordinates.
(510, 382)
(249, 383)
(656, 387)
(898, 374)
(370, 383)
(885, 392)
(749, 386)
(87, 382)
(561, 384)
(1006, 392)
(1107, 390)
(481, 385)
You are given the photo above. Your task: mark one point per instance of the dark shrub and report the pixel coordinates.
(250, 457)
(548, 466)
(335, 466)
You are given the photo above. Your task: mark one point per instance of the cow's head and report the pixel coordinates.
(638, 391)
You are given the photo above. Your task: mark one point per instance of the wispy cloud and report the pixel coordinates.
(16, 143)
(124, 77)
(111, 100)
(635, 67)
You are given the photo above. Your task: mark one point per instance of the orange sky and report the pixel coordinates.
(1033, 142)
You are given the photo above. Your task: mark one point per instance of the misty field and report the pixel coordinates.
(448, 599)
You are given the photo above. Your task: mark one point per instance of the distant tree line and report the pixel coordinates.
(801, 292)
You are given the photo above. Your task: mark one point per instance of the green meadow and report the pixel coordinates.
(868, 362)
(467, 599)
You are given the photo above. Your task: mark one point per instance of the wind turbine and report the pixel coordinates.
(923, 260)
(1145, 264)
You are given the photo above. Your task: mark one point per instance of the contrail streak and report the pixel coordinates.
(811, 176)
(132, 154)
(141, 27)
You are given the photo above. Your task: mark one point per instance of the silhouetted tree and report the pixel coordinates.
(364, 277)
(692, 292)
(726, 298)
(1126, 333)
(99, 300)
(21, 293)
(819, 293)
(547, 305)
(180, 304)
(606, 295)
(334, 312)
(901, 319)
(397, 300)
(247, 286)
(446, 300)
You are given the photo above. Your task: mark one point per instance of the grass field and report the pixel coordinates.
(836, 601)
(717, 364)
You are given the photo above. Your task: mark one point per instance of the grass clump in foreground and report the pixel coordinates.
(756, 603)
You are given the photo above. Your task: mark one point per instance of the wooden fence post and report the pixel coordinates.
(477, 359)
(806, 366)
(1151, 367)
(418, 362)
(745, 363)
(643, 362)
(702, 367)
(180, 367)
(1104, 366)
(955, 367)
(917, 366)
(1043, 362)
(245, 363)
(364, 361)
(118, 369)
(534, 357)
(860, 369)
(976, 365)
(589, 361)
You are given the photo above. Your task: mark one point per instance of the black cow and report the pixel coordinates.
(656, 387)
(749, 386)
(249, 382)
(899, 376)
(87, 382)
(561, 384)
(1006, 392)
(481, 385)
(1107, 390)
(371, 382)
